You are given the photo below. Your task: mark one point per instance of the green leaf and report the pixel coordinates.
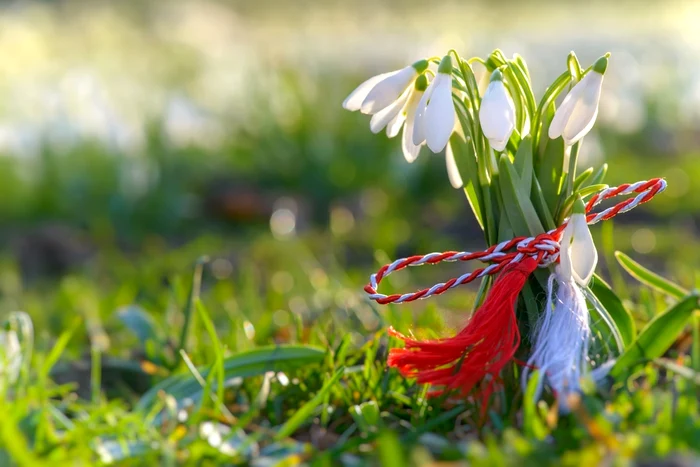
(521, 214)
(582, 178)
(219, 359)
(598, 176)
(549, 171)
(533, 426)
(568, 204)
(603, 324)
(466, 163)
(391, 453)
(648, 277)
(308, 409)
(192, 297)
(523, 165)
(540, 205)
(523, 80)
(621, 317)
(546, 107)
(574, 67)
(140, 323)
(532, 307)
(59, 347)
(657, 336)
(251, 363)
(366, 415)
(682, 371)
(695, 351)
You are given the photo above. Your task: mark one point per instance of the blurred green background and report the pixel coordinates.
(132, 129)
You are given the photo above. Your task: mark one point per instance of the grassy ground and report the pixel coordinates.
(271, 357)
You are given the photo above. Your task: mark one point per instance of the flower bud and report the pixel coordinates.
(578, 256)
(577, 113)
(497, 113)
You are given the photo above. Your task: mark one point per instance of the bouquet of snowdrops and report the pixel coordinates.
(515, 157)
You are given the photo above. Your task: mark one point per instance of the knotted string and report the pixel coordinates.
(544, 246)
(491, 337)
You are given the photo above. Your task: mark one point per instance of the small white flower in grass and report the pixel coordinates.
(381, 91)
(10, 358)
(577, 255)
(497, 113)
(435, 116)
(577, 113)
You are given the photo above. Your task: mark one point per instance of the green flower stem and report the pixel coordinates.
(566, 187)
(696, 342)
(549, 96)
(571, 175)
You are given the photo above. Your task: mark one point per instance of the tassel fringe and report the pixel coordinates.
(561, 340)
(479, 351)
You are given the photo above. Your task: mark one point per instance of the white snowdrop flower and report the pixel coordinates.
(381, 91)
(578, 255)
(577, 113)
(401, 114)
(497, 113)
(435, 116)
(406, 119)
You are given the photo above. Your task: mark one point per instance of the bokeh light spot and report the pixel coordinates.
(643, 240)
(283, 223)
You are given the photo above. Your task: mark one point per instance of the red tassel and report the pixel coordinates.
(478, 351)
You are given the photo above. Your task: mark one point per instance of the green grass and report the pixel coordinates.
(156, 359)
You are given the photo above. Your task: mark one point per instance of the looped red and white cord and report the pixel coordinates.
(544, 247)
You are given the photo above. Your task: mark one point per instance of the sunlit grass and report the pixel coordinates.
(266, 372)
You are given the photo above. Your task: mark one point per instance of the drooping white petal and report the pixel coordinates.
(452, 170)
(576, 115)
(410, 150)
(354, 100)
(497, 115)
(439, 118)
(419, 121)
(386, 115)
(564, 111)
(578, 256)
(584, 115)
(394, 126)
(388, 90)
(498, 145)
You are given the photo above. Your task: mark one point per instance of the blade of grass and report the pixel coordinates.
(695, 355)
(657, 336)
(192, 297)
(533, 426)
(620, 316)
(683, 371)
(205, 385)
(648, 277)
(307, 410)
(216, 345)
(250, 363)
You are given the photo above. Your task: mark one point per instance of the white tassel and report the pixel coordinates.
(561, 339)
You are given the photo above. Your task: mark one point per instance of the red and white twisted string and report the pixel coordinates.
(544, 247)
